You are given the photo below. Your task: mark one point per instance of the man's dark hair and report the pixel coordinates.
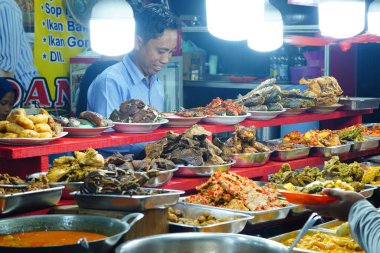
(152, 20)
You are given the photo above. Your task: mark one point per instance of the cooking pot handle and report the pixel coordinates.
(134, 216)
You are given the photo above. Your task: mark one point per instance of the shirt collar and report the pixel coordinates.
(134, 72)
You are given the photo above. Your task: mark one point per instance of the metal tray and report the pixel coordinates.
(194, 211)
(287, 155)
(328, 226)
(330, 151)
(258, 216)
(69, 187)
(250, 159)
(359, 103)
(293, 234)
(369, 126)
(375, 159)
(201, 171)
(368, 144)
(128, 203)
(30, 201)
(163, 177)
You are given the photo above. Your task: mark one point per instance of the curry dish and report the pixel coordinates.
(47, 238)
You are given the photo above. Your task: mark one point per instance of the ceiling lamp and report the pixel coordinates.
(341, 18)
(373, 17)
(268, 35)
(112, 27)
(232, 19)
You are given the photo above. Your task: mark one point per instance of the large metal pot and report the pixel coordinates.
(114, 229)
(201, 243)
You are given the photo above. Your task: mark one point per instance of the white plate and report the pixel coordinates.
(324, 109)
(29, 141)
(293, 111)
(85, 131)
(264, 115)
(178, 121)
(225, 120)
(138, 127)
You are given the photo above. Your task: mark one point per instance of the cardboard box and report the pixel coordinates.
(193, 61)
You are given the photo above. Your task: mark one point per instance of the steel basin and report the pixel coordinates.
(114, 229)
(201, 243)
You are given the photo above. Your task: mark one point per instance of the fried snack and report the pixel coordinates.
(42, 127)
(14, 128)
(3, 126)
(27, 133)
(10, 135)
(39, 118)
(14, 113)
(24, 122)
(45, 135)
(1, 135)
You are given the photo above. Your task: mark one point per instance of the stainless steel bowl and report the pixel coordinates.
(163, 177)
(201, 243)
(250, 159)
(201, 171)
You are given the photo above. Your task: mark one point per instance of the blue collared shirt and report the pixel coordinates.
(121, 82)
(117, 84)
(15, 53)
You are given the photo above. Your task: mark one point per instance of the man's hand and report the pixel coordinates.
(340, 208)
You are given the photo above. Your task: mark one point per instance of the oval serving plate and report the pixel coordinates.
(300, 198)
(29, 141)
(138, 127)
(201, 171)
(178, 121)
(322, 109)
(264, 115)
(85, 131)
(225, 120)
(293, 111)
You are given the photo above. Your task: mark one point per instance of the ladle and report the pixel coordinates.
(309, 223)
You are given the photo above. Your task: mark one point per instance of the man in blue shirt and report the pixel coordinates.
(135, 76)
(16, 57)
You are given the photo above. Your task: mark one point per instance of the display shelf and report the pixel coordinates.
(261, 173)
(23, 160)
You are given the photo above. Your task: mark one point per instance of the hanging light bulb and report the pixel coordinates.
(112, 27)
(341, 18)
(373, 17)
(231, 20)
(268, 35)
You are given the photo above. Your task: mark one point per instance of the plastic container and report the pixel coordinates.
(296, 73)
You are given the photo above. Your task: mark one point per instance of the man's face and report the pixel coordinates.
(154, 54)
(6, 104)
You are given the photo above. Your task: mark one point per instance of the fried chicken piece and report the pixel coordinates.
(90, 158)
(27, 133)
(14, 113)
(3, 126)
(14, 128)
(24, 122)
(38, 118)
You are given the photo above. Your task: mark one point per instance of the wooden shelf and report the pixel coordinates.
(68, 144)
(23, 160)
